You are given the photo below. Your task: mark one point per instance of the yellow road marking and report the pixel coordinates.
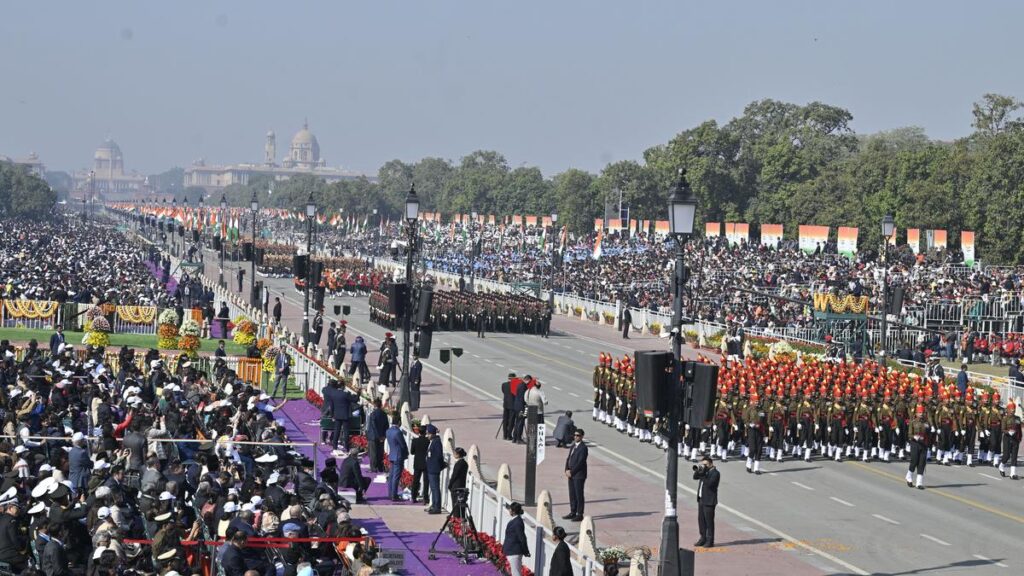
(548, 358)
(944, 494)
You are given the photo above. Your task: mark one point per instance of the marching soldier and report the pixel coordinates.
(723, 423)
(776, 427)
(1011, 441)
(862, 426)
(754, 417)
(836, 425)
(919, 429)
(968, 422)
(946, 420)
(885, 426)
(994, 428)
(598, 381)
(807, 419)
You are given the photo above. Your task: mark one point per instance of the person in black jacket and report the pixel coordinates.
(514, 544)
(508, 405)
(418, 451)
(576, 473)
(13, 540)
(340, 401)
(561, 564)
(352, 477)
(376, 432)
(519, 408)
(707, 499)
(54, 558)
(457, 480)
(233, 561)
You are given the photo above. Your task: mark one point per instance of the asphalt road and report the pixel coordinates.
(843, 518)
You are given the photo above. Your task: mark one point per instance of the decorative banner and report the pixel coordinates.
(614, 224)
(531, 220)
(939, 239)
(847, 241)
(661, 227)
(632, 224)
(892, 239)
(546, 221)
(811, 237)
(490, 219)
(516, 220)
(914, 239)
(645, 226)
(771, 234)
(597, 245)
(598, 224)
(712, 229)
(967, 247)
(737, 232)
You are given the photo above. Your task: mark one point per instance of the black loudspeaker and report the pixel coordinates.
(161, 226)
(246, 251)
(702, 394)
(299, 262)
(195, 235)
(181, 230)
(423, 342)
(316, 272)
(895, 301)
(261, 253)
(397, 295)
(423, 304)
(217, 243)
(654, 393)
(337, 309)
(256, 298)
(318, 297)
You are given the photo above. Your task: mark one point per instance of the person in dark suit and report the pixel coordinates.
(398, 452)
(55, 558)
(564, 430)
(233, 561)
(79, 464)
(707, 499)
(415, 381)
(341, 401)
(519, 407)
(514, 544)
(352, 477)
(435, 464)
(56, 339)
(561, 564)
(627, 320)
(576, 473)
(332, 337)
(508, 405)
(376, 431)
(277, 310)
(418, 450)
(457, 479)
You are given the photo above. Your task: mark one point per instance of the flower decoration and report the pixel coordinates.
(168, 316)
(245, 331)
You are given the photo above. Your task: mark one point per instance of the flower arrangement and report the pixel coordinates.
(168, 316)
(656, 328)
(609, 318)
(404, 479)
(245, 331)
(189, 341)
(270, 360)
(359, 442)
(99, 333)
(612, 555)
(136, 314)
(263, 344)
(315, 399)
(781, 351)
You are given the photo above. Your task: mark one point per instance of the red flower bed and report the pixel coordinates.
(404, 479)
(359, 442)
(313, 398)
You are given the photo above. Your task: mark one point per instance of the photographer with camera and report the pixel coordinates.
(707, 499)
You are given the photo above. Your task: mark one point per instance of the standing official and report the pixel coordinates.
(707, 499)
(576, 473)
(376, 432)
(508, 406)
(435, 464)
(418, 450)
(918, 448)
(277, 310)
(398, 452)
(626, 321)
(341, 401)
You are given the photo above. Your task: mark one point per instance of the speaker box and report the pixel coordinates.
(217, 243)
(397, 295)
(703, 386)
(299, 262)
(195, 235)
(318, 297)
(316, 272)
(261, 253)
(654, 394)
(246, 251)
(895, 301)
(423, 342)
(161, 226)
(423, 304)
(181, 230)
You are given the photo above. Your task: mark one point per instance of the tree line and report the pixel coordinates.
(777, 163)
(23, 194)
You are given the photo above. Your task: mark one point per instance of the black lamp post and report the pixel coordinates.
(223, 211)
(888, 229)
(310, 213)
(412, 212)
(174, 224)
(254, 205)
(472, 253)
(202, 223)
(682, 207)
(184, 204)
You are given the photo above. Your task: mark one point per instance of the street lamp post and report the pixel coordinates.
(254, 204)
(223, 210)
(310, 213)
(174, 224)
(184, 204)
(376, 239)
(888, 229)
(412, 211)
(472, 253)
(551, 292)
(682, 207)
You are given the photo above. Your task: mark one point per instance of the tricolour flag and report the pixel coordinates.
(597, 245)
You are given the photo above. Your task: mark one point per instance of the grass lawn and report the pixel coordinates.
(23, 335)
(981, 368)
(294, 391)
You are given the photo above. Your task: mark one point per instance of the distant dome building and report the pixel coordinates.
(108, 159)
(303, 158)
(107, 178)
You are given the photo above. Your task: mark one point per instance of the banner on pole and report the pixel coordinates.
(771, 234)
(737, 232)
(661, 227)
(598, 224)
(967, 247)
(914, 239)
(939, 239)
(847, 241)
(811, 237)
(712, 229)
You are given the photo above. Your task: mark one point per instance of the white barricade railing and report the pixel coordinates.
(16, 313)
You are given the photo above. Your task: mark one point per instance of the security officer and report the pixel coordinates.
(919, 430)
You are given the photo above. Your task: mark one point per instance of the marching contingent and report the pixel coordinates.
(774, 409)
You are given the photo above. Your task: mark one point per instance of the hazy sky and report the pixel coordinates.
(552, 83)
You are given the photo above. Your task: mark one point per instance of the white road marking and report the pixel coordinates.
(500, 365)
(804, 486)
(841, 501)
(580, 351)
(936, 540)
(989, 476)
(473, 355)
(574, 395)
(884, 519)
(773, 473)
(556, 388)
(980, 557)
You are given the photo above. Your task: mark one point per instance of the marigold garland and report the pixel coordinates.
(136, 314)
(30, 309)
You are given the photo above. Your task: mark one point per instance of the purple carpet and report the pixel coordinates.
(302, 424)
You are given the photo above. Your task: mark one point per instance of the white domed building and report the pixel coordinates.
(303, 158)
(107, 177)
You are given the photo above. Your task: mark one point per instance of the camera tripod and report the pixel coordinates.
(460, 511)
